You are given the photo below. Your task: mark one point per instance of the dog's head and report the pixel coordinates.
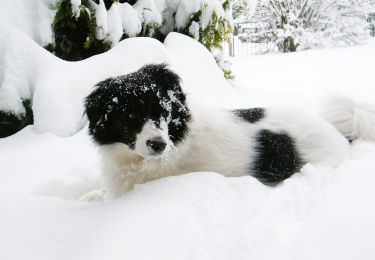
(144, 110)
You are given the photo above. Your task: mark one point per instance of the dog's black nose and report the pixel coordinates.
(157, 144)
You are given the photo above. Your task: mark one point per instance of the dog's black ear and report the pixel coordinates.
(94, 107)
(91, 111)
(163, 76)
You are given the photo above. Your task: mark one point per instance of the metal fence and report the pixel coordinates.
(249, 38)
(238, 47)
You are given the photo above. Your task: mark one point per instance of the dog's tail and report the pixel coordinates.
(355, 120)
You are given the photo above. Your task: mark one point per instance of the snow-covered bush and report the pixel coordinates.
(243, 9)
(304, 24)
(75, 33)
(239, 9)
(224, 64)
(84, 28)
(338, 23)
(209, 23)
(11, 123)
(108, 3)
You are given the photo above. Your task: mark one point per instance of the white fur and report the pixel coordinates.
(150, 131)
(201, 150)
(219, 141)
(353, 119)
(316, 140)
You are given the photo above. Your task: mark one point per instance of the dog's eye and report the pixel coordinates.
(131, 115)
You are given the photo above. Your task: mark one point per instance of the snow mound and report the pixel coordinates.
(57, 87)
(202, 78)
(22, 60)
(61, 92)
(319, 212)
(302, 79)
(33, 17)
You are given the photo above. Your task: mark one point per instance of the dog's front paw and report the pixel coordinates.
(94, 196)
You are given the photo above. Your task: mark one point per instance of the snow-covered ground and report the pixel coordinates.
(304, 77)
(320, 213)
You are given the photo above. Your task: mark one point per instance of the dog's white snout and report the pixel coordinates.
(153, 141)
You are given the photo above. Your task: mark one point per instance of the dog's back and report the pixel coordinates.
(268, 143)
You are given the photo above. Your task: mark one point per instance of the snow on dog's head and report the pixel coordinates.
(144, 110)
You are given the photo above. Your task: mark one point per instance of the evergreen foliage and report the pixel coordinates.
(108, 3)
(240, 8)
(75, 36)
(11, 124)
(151, 30)
(212, 35)
(215, 33)
(76, 33)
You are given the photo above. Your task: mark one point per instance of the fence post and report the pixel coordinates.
(231, 47)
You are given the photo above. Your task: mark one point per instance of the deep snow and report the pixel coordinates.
(321, 213)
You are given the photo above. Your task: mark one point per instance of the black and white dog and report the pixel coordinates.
(146, 129)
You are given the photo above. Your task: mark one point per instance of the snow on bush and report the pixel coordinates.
(243, 9)
(131, 24)
(208, 21)
(85, 28)
(33, 17)
(18, 17)
(80, 31)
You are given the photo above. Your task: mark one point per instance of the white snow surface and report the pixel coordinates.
(33, 17)
(319, 213)
(101, 17)
(131, 23)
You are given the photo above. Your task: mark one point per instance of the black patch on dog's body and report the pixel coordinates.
(251, 115)
(276, 157)
(119, 107)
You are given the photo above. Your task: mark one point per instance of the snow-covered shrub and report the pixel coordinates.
(75, 32)
(243, 9)
(338, 23)
(304, 24)
(88, 27)
(224, 64)
(11, 123)
(210, 24)
(108, 3)
(239, 8)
